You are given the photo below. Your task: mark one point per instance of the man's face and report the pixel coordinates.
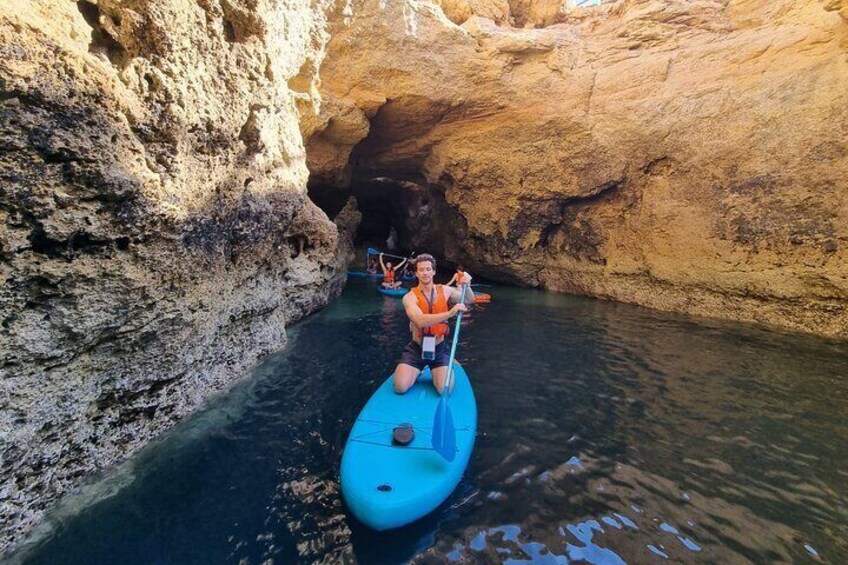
(424, 270)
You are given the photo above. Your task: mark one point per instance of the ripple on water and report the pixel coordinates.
(607, 434)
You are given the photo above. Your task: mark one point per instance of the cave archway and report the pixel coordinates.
(404, 210)
(383, 171)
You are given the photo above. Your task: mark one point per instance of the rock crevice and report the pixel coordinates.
(157, 236)
(155, 233)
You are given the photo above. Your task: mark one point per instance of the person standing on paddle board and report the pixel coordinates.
(429, 306)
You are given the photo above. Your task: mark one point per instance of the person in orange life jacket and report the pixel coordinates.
(389, 273)
(457, 276)
(428, 307)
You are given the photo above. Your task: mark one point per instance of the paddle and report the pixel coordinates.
(444, 434)
(372, 251)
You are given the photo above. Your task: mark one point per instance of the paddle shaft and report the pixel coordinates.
(449, 378)
(444, 433)
(375, 252)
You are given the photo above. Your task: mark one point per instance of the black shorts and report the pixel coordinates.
(411, 355)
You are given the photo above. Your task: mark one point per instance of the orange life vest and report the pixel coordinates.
(440, 306)
(389, 277)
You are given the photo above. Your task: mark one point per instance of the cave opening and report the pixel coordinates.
(397, 215)
(381, 204)
(402, 212)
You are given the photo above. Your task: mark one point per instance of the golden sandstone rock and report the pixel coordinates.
(688, 156)
(156, 236)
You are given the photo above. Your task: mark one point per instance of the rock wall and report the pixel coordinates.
(156, 237)
(155, 234)
(685, 156)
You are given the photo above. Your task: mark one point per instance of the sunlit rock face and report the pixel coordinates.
(156, 237)
(686, 156)
(155, 234)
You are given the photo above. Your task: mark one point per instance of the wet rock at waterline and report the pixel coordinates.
(156, 236)
(683, 156)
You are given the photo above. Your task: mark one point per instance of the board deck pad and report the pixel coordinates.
(387, 485)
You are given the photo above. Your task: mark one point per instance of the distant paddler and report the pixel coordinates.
(479, 298)
(456, 279)
(408, 273)
(371, 268)
(389, 279)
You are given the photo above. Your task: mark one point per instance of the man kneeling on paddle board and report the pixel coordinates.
(427, 307)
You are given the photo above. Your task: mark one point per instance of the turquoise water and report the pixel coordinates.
(607, 434)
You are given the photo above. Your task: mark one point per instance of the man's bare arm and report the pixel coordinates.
(456, 293)
(419, 318)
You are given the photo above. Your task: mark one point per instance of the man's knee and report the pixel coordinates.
(403, 384)
(439, 378)
(403, 381)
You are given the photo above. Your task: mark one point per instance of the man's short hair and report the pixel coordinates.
(425, 257)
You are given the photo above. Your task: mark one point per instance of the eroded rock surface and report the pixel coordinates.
(156, 237)
(155, 234)
(686, 156)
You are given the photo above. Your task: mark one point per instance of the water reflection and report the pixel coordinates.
(607, 434)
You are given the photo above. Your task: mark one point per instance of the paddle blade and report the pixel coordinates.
(444, 434)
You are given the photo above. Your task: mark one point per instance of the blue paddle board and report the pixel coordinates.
(387, 486)
(393, 291)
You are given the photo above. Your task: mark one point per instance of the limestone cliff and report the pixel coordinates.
(686, 156)
(155, 234)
